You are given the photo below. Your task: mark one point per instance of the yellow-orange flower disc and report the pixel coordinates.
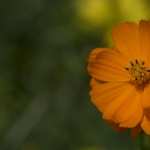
(120, 84)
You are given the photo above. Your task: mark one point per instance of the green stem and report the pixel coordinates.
(144, 142)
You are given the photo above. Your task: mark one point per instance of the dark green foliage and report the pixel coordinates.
(44, 86)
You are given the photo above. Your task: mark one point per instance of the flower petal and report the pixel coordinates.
(103, 93)
(108, 97)
(112, 108)
(147, 112)
(126, 39)
(146, 97)
(145, 39)
(107, 65)
(130, 112)
(145, 125)
(94, 53)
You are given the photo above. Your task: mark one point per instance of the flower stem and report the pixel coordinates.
(144, 142)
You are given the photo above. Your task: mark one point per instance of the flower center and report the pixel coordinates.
(140, 75)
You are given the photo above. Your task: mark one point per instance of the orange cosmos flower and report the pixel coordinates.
(120, 84)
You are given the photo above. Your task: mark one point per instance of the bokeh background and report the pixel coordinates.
(44, 85)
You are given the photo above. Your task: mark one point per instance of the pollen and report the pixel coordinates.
(140, 75)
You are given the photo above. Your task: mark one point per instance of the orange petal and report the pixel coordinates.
(145, 125)
(146, 97)
(111, 110)
(107, 65)
(145, 39)
(94, 53)
(104, 93)
(126, 39)
(134, 120)
(130, 112)
(147, 112)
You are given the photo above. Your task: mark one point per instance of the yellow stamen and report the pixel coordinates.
(140, 75)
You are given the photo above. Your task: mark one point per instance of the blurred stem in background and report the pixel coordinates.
(144, 142)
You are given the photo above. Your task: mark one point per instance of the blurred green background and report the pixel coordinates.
(44, 86)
